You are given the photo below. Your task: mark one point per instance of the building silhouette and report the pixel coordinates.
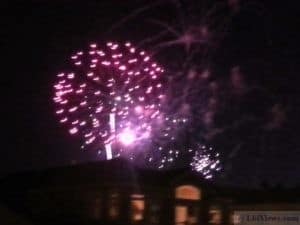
(116, 192)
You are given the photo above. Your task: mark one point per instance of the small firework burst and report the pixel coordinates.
(206, 161)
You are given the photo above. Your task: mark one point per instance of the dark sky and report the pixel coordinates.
(38, 37)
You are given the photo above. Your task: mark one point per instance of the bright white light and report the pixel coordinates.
(127, 137)
(108, 151)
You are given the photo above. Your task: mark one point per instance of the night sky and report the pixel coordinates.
(39, 36)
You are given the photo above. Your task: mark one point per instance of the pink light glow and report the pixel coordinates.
(138, 109)
(122, 67)
(127, 137)
(73, 130)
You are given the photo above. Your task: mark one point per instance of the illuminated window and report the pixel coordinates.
(181, 213)
(235, 219)
(186, 214)
(137, 207)
(215, 216)
(114, 206)
(186, 209)
(188, 192)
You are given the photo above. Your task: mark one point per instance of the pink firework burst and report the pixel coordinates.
(111, 98)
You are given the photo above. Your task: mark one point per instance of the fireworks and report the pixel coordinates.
(115, 98)
(111, 97)
(206, 161)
